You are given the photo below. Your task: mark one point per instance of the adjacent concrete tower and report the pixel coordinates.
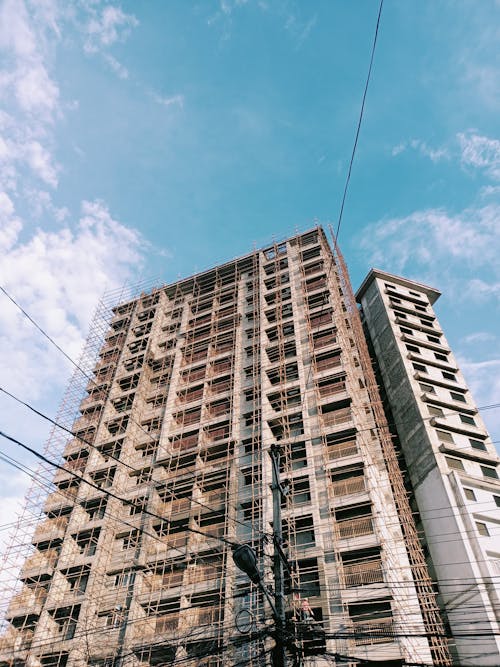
(187, 388)
(451, 462)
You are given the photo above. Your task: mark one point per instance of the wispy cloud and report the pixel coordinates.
(421, 147)
(31, 97)
(480, 152)
(479, 337)
(423, 237)
(107, 27)
(171, 101)
(483, 378)
(120, 70)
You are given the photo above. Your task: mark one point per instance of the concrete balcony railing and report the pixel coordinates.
(28, 601)
(203, 573)
(342, 450)
(40, 561)
(158, 582)
(348, 487)
(363, 574)
(214, 499)
(14, 640)
(175, 541)
(176, 506)
(336, 417)
(50, 529)
(154, 626)
(376, 631)
(353, 528)
(203, 616)
(60, 498)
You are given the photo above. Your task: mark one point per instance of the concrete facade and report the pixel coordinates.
(169, 468)
(451, 462)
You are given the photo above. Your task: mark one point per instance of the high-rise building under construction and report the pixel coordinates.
(388, 499)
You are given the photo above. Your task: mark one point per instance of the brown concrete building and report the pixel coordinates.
(169, 468)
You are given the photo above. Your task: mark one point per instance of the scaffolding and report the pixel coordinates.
(434, 628)
(186, 387)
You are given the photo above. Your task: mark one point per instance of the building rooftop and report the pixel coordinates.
(431, 292)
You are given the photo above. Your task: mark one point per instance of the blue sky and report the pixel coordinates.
(155, 139)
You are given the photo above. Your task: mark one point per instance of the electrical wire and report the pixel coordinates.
(360, 120)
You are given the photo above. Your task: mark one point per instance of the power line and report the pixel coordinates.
(358, 129)
(125, 501)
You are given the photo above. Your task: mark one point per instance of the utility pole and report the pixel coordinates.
(245, 559)
(279, 588)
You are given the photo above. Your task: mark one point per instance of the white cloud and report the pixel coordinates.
(15, 32)
(116, 66)
(173, 100)
(479, 337)
(481, 290)
(40, 161)
(480, 152)
(45, 274)
(35, 91)
(30, 96)
(420, 146)
(434, 238)
(41, 203)
(111, 26)
(10, 225)
(483, 378)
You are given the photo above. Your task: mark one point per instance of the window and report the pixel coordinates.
(449, 376)
(482, 528)
(123, 579)
(406, 331)
(469, 494)
(489, 472)
(420, 367)
(457, 397)
(455, 464)
(427, 388)
(96, 508)
(467, 419)
(78, 578)
(131, 540)
(435, 411)
(445, 436)
(477, 444)
(440, 357)
(433, 339)
(497, 500)
(413, 348)
(415, 293)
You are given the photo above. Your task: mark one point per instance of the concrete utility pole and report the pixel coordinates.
(279, 587)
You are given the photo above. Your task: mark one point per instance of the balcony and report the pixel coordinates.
(178, 506)
(60, 498)
(158, 582)
(336, 417)
(156, 626)
(204, 616)
(28, 601)
(349, 487)
(50, 529)
(352, 528)
(203, 574)
(363, 574)
(40, 561)
(376, 631)
(342, 450)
